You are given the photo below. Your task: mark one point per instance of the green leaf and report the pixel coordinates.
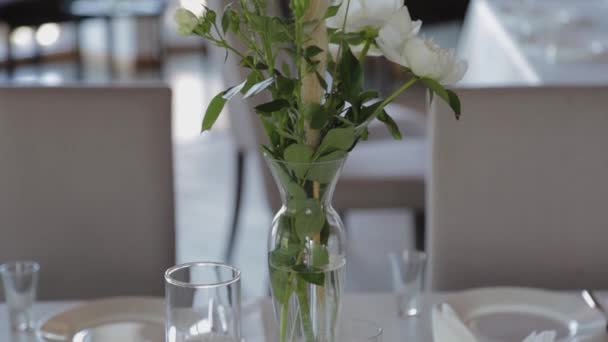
(259, 87)
(261, 66)
(285, 87)
(213, 111)
(332, 11)
(310, 275)
(284, 257)
(309, 221)
(298, 157)
(231, 92)
(295, 191)
(455, 103)
(298, 153)
(273, 106)
(297, 197)
(209, 15)
(391, 125)
(321, 80)
(350, 74)
(312, 51)
(326, 168)
(316, 115)
(367, 111)
(338, 139)
(226, 19)
(447, 95)
(320, 256)
(368, 95)
(281, 289)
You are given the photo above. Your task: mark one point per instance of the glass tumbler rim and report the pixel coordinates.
(169, 279)
(413, 256)
(11, 266)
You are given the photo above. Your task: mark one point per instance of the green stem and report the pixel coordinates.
(335, 83)
(368, 45)
(284, 318)
(387, 101)
(305, 310)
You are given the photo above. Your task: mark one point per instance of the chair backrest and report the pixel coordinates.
(518, 191)
(87, 188)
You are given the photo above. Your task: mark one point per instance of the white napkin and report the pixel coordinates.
(545, 336)
(448, 327)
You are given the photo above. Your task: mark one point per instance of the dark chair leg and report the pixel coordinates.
(110, 47)
(238, 196)
(10, 62)
(37, 54)
(78, 49)
(420, 226)
(162, 52)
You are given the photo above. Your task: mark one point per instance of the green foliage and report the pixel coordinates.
(309, 220)
(391, 125)
(447, 95)
(277, 55)
(320, 256)
(299, 157)
(213, 111)
(341, 139)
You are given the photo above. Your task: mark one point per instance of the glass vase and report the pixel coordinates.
(306, 256)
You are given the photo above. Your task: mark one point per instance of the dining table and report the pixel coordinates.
(257, 317)
(535, 43)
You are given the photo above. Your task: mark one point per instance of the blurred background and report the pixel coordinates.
(55, 42)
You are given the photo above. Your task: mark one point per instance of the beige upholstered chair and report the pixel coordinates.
(518, 191)
(381, 173)
(87, 188)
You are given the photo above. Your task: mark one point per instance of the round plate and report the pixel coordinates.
(511, 314)
(135, 319)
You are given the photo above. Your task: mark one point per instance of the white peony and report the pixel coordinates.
(364, 15)
(397, 30)
(186, 21)
(424, 58)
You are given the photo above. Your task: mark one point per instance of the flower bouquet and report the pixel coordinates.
(310, 66)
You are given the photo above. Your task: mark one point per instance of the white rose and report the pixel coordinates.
(362, 15)
(186, 21)
(426, 59)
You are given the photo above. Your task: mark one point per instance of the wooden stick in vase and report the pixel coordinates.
(312, 91)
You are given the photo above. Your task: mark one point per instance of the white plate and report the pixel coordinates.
(134, 319)
(511, 314)
(139, 319)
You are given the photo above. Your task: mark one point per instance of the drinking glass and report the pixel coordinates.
(359, 330)
(203, 303)
(408, 269)
(20, 279)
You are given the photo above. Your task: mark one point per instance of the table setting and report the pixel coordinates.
(209, 306)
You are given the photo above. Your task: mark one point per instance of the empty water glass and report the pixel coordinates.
(408, 269)
(203, 303)
(20, 279)
(359, 330)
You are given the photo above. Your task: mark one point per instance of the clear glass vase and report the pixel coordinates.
(306, 256)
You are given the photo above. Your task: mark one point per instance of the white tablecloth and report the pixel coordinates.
(498, 55)
(380, 308)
